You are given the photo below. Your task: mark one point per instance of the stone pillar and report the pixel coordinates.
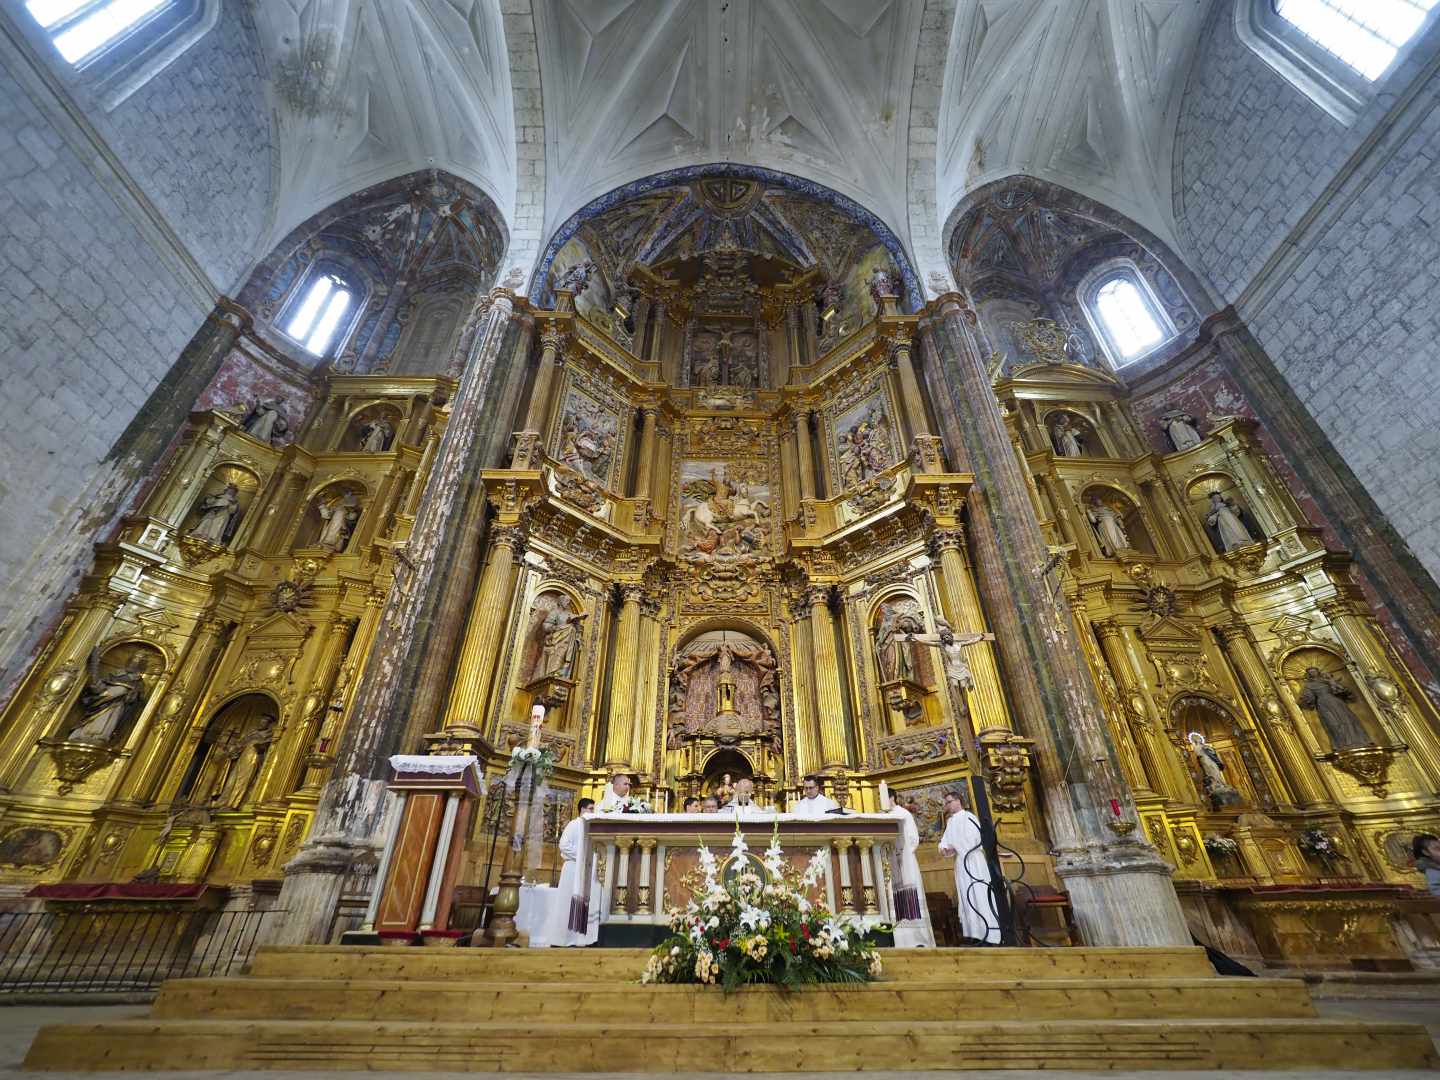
(1301, 775)
(352, 804)
(645, 463)
(806, 445)
(829, 703)
(1120, 887)
(988, 708)
(620, 738)
(470, 692)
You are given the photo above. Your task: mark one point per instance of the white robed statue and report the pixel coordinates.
(570, 893)
(912, 914)
(976, 903)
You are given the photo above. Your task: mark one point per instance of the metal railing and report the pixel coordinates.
(103, 949)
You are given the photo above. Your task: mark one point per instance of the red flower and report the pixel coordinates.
(722, 943)
(794, 948)
(805, 929)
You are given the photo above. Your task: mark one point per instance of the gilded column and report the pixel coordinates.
(1120, 886)
(805, 444)
(479, 653)
(552, 357)
(643, 745)
(620, 738)
(807, 730)
(988, 708)
(1160, 767)
(1301, 774)
(316, 706)
(645, 464)
(910, 385)
(829, 704)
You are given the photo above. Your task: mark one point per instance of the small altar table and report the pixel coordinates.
(648, 864)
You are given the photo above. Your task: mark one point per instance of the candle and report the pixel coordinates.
(537, 717)
(1115, 807)
(884, 795)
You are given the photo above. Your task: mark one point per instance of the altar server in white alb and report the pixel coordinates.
(572, 887)
(961, 841)
(815, 803)
(912, 915)
(618, 791)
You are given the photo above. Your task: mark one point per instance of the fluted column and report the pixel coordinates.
(284, 765)
(988, 708)
(1121, 888)
(1159, 766)
(353, 802)
(829, 703)
(470, 692)
(620, 739)
(910, 394)
(807, 728)
(805, 444)
(645, 464)
(643, 731)
(552, 357)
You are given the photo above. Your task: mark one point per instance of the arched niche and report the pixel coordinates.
(724, 683)
(226, 765)
(1197, 498)
(221, 504)
(1326, 722)
(372, 428)
(431, 331)
(725, 762)
(906, 669)
(332, 516)
(119, 680)
(1082, 431)
(1221, 729)
(550, 651)
(1131, 516)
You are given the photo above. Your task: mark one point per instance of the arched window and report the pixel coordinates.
(81, 29)
(1365, 34)
(315, 317)
(1333, 51)
(1123, 312)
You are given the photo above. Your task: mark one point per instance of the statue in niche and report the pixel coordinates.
(587, 440)
(1180, 427)
(245, 754)
(110, 700)
(1224, 519)
(1068, 437)
(1109, 527)
(266, 420)
(724, 684)
(576, 279)
(895, 652)
(375, 435)
(219, 515)
(1220, 791)
(339, 517)
(558, 637)
(883, 284)
(952, 652)
(1327, 695)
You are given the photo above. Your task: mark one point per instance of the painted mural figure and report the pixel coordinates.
(266, 420)
(1067, 438)
(219, 514)
(1224, 518)
(1180, 426)
(339, 517)
(109, 701)
(1109, 527)
(375, 436)
(1326, 695)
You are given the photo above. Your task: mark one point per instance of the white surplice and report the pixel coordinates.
(819, 806)
(609, 802)
(570, 887)
(746, 811)
(911, 933)
(972, 878)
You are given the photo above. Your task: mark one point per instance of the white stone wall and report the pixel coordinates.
(1327, 240)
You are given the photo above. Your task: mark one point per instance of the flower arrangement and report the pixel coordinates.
(1222, 846)
(1318, 843)
(761, 928)
(630, 804)
(539, 758)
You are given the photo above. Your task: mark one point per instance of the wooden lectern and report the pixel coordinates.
(421, 858)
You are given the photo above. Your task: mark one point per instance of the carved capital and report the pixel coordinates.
(1232, 631)
(507, 536)
(632, 592)
(947, 539)
(817, 595)
(1109, 630)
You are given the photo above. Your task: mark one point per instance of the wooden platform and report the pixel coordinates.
(582, 1010)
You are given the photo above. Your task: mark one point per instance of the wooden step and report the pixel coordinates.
(725, 1046)
(543, 965)
(479, 1002)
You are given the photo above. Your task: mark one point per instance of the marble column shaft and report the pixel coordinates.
(829, 702)
(1120, 887)
(352, 803)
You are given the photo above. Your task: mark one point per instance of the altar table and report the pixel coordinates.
(648, 864)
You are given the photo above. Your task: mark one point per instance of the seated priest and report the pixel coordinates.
(569, 909)
(619, 789)
(711, 805)
(691, 806)
(744, 804)
(815, 802)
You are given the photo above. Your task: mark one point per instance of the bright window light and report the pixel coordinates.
(1363, 34)
(1128, 320)
(81, 28)
(319, 314)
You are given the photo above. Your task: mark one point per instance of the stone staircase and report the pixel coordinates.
(582, 1011)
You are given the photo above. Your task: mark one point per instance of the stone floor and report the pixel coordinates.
(18, 1024)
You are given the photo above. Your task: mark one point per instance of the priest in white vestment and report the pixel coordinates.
(912, 914)
(743, 805)
(572, 887)
(815, 803)
(618, 790)
(974, 901)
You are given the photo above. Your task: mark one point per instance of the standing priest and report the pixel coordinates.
(976, 904)
(569, 908)
(815, 803)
